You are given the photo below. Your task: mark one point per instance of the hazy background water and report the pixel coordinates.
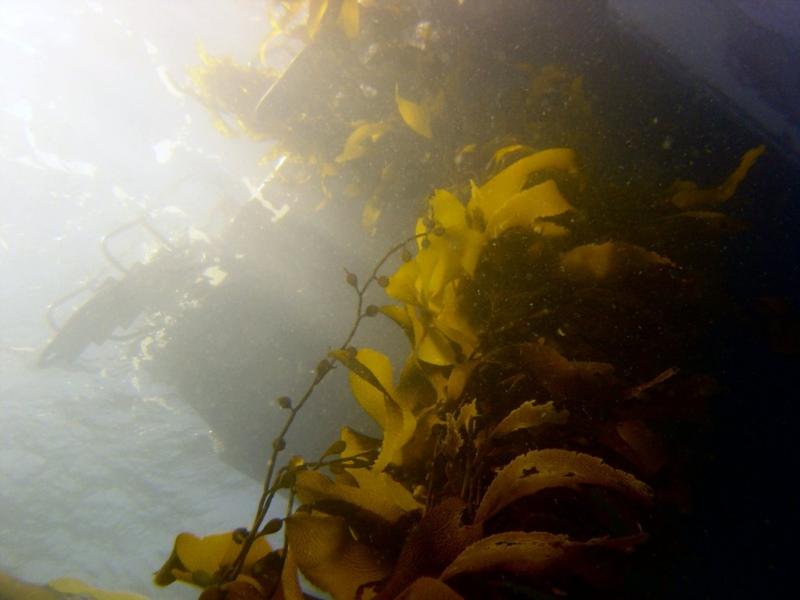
(99, 471)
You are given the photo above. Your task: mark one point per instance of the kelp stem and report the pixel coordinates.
(323, 368)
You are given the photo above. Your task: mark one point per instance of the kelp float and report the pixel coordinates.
(531, 441)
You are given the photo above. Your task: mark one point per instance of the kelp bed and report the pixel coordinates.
(558, 293)
(525, 450)
(543, 434)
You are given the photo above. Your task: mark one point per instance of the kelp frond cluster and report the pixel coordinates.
(376, 90)
(536, 439)
(524, 450)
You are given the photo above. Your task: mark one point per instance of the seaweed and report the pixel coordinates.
(534, 441)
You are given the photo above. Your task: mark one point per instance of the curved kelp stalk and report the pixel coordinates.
(534, 440)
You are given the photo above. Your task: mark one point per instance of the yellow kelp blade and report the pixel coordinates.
(356, 144)
(530, 553)
(464, 242)
(453, 324)
(399, 314)
(563, 378)
(265, 43)
(419, 448)
(515, 551)
(419, 390)
(525, 207)
(431, 345)
(370, 214)
(370, 377)
(316, 12)
(400, 426)
(327, 554)
(58, 589)
(357, 443)
(470, 245)
(67, 585)
(348, 20)
(528, 415)
(458, 378)
(403, 287)
(243, 587)
(420, 231)
(376, 492)
(462, 153)
(199, 561)
(728, 188)
(646, 449)
(371, 383)
(246, 587)
(610, 259)
(289, 10)
(457, 427)
(417, 116)
(447, 210)
(548, 229)
(512, 179)
(290, 582)
(688, 194)
(374, 483)
(439, 264)
(433, 543)
(501, 153)
(12, 588)
(542, 469)
(428, 588)
(414, 386)
(715, 221)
